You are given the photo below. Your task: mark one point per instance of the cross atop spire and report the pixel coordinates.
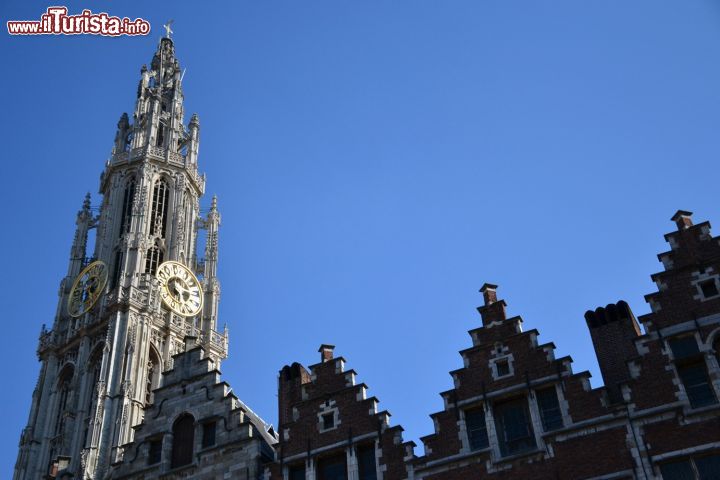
(168, 30)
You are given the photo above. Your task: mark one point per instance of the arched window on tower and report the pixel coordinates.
(93, 371)
(159, 210)
(160, 135)
(63, 392)
(183, 441)
(128, 140)
(117, 269)
(127, 207)
(152, 377)
(153, 258)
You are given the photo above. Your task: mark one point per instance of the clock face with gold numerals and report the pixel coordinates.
(179, 289)
(87, 288)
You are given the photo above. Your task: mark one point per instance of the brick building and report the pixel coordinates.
(328, 426)
(516, 411)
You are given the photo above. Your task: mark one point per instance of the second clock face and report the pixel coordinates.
(179, 289)
(87, 288)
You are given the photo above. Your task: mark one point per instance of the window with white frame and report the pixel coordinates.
(707, 285)
(514, 427)
(501, 367)
(549, 407)
(692, 370)
(328, 421)
(696, 468)
(328, 417)
(332, 468)
(366, 462)
(476, 428)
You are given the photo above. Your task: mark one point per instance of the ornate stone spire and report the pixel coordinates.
(78, 251)
(212, 284)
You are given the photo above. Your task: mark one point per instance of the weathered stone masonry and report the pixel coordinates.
(227, 439)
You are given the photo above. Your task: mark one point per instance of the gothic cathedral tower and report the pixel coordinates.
(128, 302)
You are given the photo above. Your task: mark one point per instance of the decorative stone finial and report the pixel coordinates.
(86, 202)
(213, 205)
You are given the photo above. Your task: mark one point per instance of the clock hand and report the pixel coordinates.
(180, 290)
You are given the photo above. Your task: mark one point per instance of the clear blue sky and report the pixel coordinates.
(376, 162)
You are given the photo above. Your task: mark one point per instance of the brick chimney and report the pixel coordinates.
(292, 378)
(613, 330)
(494, 309)
(489, 292)
(682, 219)
(326, 352)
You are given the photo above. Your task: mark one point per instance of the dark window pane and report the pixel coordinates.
(158, 213)
(328, 421)
(503, 368)
(153, 375)
(117, 267)
(697, 385)
(155, 451)
(332, 468)
(709, 288)
(297, 472)
(183, 438)
(208, 439)
(549, 409)
(708, 467)
(127, 206)
(684, 347)
(476, 429)
(677, 471)
(512, 422)
(366, 462)
(153, 258)
(160, 136)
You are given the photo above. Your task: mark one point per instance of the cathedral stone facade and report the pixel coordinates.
(130, 387)
(119, 322)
